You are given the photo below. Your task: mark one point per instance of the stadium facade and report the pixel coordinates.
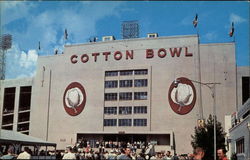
(124, 90)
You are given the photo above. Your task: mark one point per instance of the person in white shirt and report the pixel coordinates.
(24, 154)
(69, 154)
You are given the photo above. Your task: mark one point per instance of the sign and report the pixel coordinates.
(74, 99)
(182, 96)
(129, 54)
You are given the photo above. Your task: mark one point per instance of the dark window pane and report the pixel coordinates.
(140, 109)
(110, 110)
(110, 96)
(126, 83)
(25, 98)
(111, 84)
(125, 96)
(9, 100)
(140, 95)
(125, 122)
(126, 72)
(141, 82)
(245, 89)
(141, 72)
(140, 122)
(111, 73)
(110, 122)
(125, 110)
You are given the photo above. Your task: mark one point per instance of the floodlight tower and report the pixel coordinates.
(5, 44)
(130, 29)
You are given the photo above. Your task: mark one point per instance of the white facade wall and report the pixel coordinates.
(50, 121)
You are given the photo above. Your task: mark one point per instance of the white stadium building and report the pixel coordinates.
(143, 89)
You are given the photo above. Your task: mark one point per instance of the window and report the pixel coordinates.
(110, 122)
(126, 83)
(140, 122)
(141, 82)
(23, 127)
(126, 73)
(140, 95)
(140, 109)
(245, 89)
(110, 96)
(125, 110)
(25, 98)
(240, 145)
(8, 119)
(111, 84)
(125, 96)
(141, 72)
(9, 100)
(24, 117)
(110, 110)
(111, 73)
(125, 122)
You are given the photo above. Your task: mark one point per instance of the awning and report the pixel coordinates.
(7, 136)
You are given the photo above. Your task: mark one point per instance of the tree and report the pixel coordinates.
(204, 138)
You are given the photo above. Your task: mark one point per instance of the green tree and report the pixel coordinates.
(204, 137)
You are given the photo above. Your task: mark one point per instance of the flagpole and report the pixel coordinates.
(195, 23)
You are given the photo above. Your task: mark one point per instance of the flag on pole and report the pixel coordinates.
(39, 47)
(195, 21)
(231, 33)
(65, 34)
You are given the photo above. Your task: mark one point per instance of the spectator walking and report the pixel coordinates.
(25, 154)
(69, 154)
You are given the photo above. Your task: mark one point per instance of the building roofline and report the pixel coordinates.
(219, 43)
(134, 39)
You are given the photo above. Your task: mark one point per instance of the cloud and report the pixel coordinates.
(28, 59)
(20, 64)
(210, 36)
(187, 21)
(13, 10)
(47, 24)
(236, 19)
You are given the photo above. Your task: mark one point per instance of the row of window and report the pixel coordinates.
(126, 96)
(126, 72)
(126, 83)
(124, 110)
(125, 122)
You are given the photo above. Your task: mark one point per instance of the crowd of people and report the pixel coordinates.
(111, 153)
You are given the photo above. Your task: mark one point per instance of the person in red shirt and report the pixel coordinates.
(221, 153)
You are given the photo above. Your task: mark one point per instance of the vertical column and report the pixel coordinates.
(16, 108)
(1, 103)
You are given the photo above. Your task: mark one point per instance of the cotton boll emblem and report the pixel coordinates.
(182, 96)
(74, 99)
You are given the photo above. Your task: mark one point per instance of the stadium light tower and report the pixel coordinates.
(130, 29)
(5, 44)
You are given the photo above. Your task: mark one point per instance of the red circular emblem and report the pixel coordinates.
(74, 99)
(182, 96)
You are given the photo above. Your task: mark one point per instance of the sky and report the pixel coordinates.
(32, 21)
